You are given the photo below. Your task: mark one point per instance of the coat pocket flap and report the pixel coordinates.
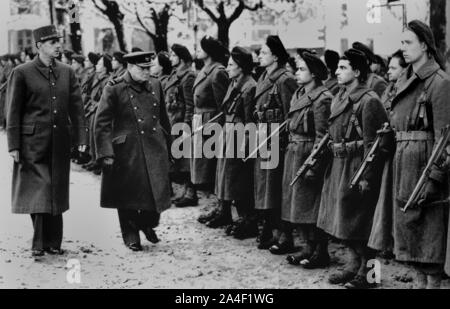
(119, 139)
(28, 129)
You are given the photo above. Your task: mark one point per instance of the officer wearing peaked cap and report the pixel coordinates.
(132, 140)
(45, 119)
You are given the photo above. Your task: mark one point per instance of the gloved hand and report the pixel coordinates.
(107, 164)
(310, 176)
(430, 194)
(363, 187)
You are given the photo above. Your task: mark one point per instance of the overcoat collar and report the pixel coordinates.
(235, 88)
(44, 70)
(353, 95)
(302, 101)
(205, 72)
(266, 82)
(136, 86)
(177, 75)
(404, 83)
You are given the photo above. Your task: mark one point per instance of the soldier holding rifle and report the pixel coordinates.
(356, 116)
(308, 123)
(419, 112)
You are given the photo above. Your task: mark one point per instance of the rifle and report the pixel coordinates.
(200, 129)
(435, 159)
(370, 157)
(312, 159)
(279, 129)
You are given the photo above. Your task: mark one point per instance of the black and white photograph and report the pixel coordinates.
(232, 146)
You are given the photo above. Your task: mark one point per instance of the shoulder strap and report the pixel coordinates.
(420, 109)
(354, 121)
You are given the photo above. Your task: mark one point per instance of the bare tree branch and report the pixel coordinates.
(147, 30)
(98, 7)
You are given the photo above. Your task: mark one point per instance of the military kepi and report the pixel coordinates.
(46, 33)
(142, 59)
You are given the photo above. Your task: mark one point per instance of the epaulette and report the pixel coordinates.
(115, 81)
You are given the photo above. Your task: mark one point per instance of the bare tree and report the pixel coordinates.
(223, 22)
(161, 22)
(112, 11)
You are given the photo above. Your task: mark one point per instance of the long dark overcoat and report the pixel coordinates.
(210, 88)
(343, 213)
(180, 106)
(45, 119)
(273, 93)
(420, 233)
(132, 126)
(308, 124)
(234, 178)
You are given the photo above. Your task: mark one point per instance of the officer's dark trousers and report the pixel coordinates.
(132, 221)
(48, 231)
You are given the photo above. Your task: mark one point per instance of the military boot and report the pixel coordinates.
(223, 217)
(190, 198)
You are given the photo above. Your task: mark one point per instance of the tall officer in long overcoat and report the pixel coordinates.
(308, 124)
(210, 88)
(374, 81)
(234, 178)
(132, 137)
(45, 119)
(180, 108)
(273, 95)
(419, 111)
(356, 116)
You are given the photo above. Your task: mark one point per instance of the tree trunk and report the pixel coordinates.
(118, 26)
(438, 23)
(51, 7)
(223, 33)
(75, 37)
(160, 44)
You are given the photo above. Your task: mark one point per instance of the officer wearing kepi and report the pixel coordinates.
(132, 137)
(45, 119)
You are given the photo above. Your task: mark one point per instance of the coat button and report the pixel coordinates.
(53, 84)
(131, 96)
(154, 129)
(135, 108)
(154, 117)
(142, 132)
(54, 98)
(55, 112)
(54, 127)
(140, 120)
(155, 105)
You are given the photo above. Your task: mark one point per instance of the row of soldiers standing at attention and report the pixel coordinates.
(339, 112)
(358, 111)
